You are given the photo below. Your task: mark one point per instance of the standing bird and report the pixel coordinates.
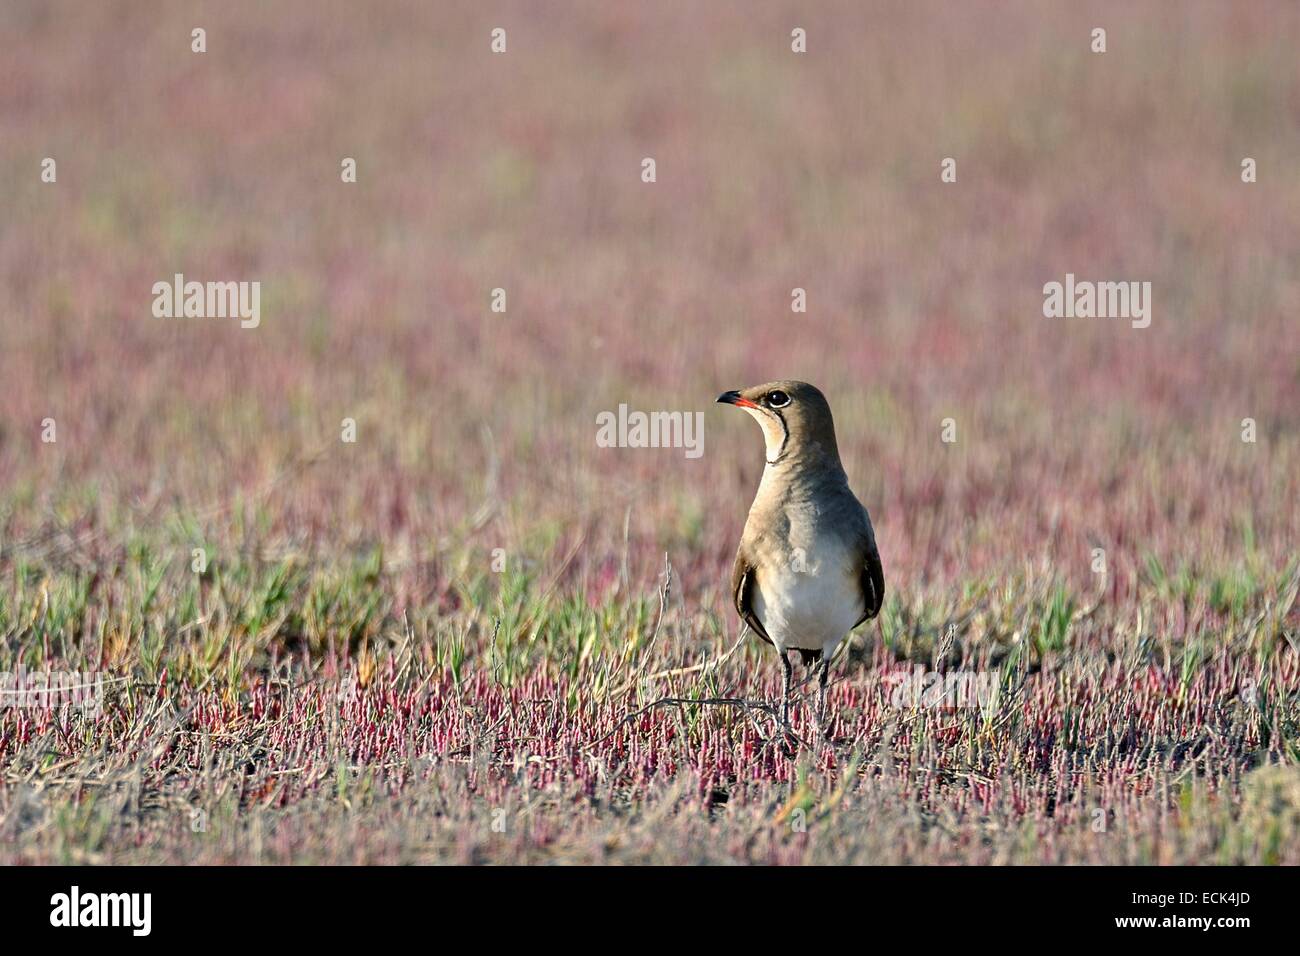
(807, 571)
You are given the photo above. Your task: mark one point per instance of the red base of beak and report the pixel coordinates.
(735, 398)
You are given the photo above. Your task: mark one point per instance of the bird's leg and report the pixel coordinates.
(785, 697)
(821, 697)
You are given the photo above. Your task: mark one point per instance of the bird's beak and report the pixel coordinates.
(735, 398)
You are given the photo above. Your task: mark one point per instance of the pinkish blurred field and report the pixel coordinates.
(370, 563)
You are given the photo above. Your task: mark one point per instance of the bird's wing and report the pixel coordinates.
(742, 592)
(873, 577)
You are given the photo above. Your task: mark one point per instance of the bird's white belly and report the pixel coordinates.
(811, 609)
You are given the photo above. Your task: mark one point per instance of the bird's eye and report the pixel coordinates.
(778, 399)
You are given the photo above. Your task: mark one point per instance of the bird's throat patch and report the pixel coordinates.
(775, 434)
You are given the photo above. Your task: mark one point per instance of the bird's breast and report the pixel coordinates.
(808, 596)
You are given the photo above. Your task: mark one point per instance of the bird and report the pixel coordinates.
(807, 570)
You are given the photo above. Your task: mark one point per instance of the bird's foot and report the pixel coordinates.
(825, 729)
(784, 739)
(789, 745)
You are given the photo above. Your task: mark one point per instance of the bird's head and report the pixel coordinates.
(795, 418)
